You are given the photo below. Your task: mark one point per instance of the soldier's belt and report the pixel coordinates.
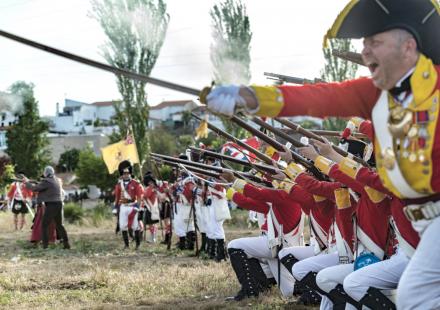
(427, 211)
(126, 201)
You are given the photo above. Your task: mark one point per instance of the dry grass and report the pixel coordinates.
(97, 274)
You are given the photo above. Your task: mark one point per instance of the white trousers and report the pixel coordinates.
(202, 217)
(328, 278)
(299, 252)
(314, 264)
(384, 275)
(125, 212)
(214, 229)
(182, 224)
(257, 247)
(419, 287)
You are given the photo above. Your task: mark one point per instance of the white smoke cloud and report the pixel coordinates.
(10, 103)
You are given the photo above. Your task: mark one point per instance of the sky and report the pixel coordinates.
(287, 39)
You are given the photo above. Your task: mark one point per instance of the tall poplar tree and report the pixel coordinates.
(135, 30)
(230, 49)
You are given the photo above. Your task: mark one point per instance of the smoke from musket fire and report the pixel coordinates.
(10, 103)
(230, 65)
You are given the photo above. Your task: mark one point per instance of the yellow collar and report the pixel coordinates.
(423, 81)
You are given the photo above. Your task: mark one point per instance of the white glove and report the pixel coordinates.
(225, 99)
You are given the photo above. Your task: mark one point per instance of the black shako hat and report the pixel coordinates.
(148, 177)
(125, 166)
(363, 18)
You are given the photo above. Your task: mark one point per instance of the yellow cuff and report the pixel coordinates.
(286, 186)
(323, 164)
(318, 198)
(270, 100)
(230, 193)
(374, 195)
(239, 185)
(349, 167)
(342, 197)
(293, 170)
(270, 151)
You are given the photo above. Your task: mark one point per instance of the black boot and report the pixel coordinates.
(340, 298)
(245, 274)
(125, 238)
(167, 239)
(220, 255)
(181, 244)
(288, 261)
(374, 299)
(264, 283)
(130, 233)
(203, 245)
(190, 240)
(137, 238)
(212, 249)
(310, 290)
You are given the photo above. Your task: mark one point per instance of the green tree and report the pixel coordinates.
(230, 50)
(136, 31)
(27, 139)
(6, 172)
(91, 170)
(69, 159)
(337, 70)
(163, 142)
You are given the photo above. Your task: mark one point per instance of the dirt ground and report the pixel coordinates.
(98, 274)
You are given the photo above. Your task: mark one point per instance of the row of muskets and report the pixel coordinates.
(266, 165)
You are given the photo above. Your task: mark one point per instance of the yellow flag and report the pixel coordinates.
(114, 153)
(202, 130)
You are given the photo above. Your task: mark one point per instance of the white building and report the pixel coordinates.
(7, 119)
(84, 118)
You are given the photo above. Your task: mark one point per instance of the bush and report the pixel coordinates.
(99, 214)
(73, 213)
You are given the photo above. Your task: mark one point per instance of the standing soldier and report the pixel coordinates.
(128, 196)
(151, 200)
(18, 198)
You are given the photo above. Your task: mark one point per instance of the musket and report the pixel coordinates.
(327, 133)
(349, 56)
(261, 167)
(258, 154)
(278, 146)
(331, 133)
(212, 174)
(307, 133)
(100, 65)
(204, 167)
(21, 180)
(291, 79)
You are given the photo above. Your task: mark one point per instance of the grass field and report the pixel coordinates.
(98, 274)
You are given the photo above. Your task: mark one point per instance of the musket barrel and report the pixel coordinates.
(187, 162)
(100, 65)
(228, 136)
(274, 143)
(312, 135)
(262, 167)
(190, 168)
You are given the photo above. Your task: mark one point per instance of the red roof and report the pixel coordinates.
(165, 104)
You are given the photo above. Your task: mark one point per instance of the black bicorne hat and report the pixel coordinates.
(363, 18)
(125, 166)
